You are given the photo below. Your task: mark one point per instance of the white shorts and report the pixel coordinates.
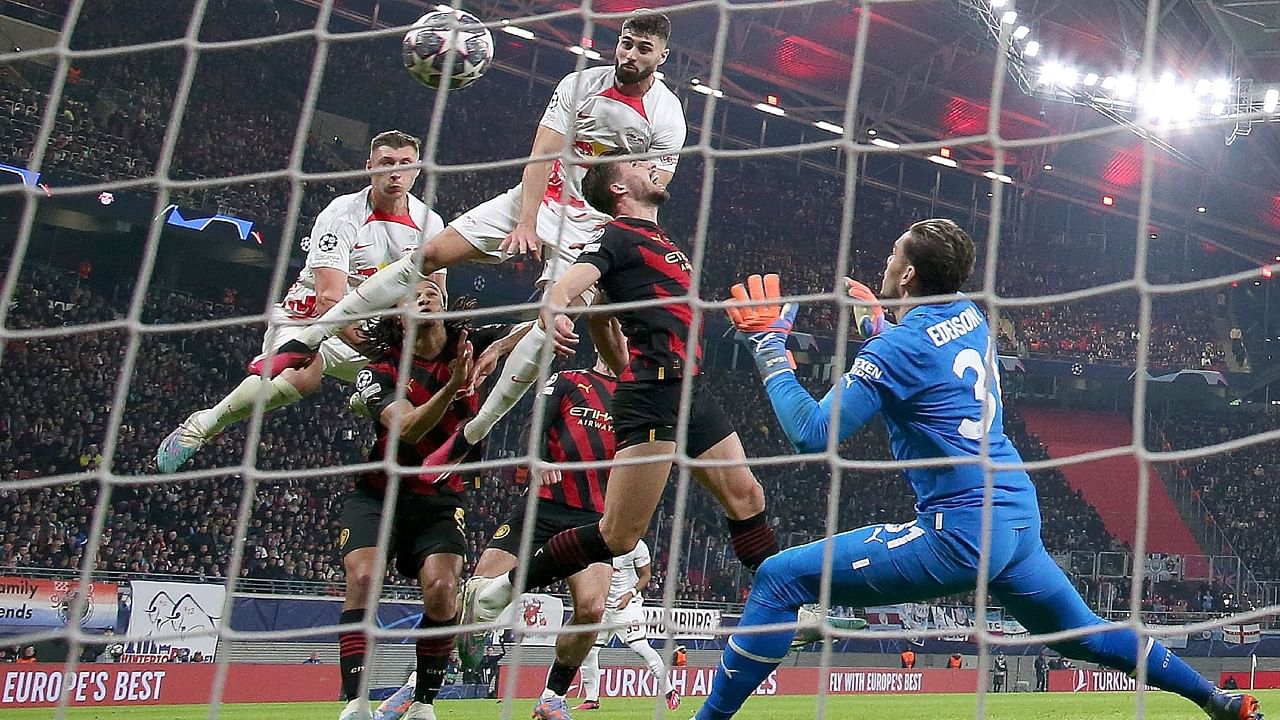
(629, 624)
(341, 361)
(486, 225)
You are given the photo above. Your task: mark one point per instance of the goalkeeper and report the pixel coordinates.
(933, 380)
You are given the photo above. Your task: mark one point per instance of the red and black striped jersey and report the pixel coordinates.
(579, 428)
(637, 261)
(377, 384)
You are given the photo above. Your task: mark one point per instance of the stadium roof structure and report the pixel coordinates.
(928, 76)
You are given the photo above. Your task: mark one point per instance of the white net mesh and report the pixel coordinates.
(811, 130)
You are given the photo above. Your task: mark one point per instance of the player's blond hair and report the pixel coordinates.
(395, 140)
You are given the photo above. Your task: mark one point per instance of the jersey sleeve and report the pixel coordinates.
(641, 557)
(377, 386)
(862, 392)
(332, 238)
(559, 113)
(608, 253)
(668, 138)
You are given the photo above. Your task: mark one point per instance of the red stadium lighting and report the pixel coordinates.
(945, 152)
(771, 99)
(1267, 273)
(1108, 200)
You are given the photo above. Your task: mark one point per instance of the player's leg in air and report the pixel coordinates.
(1034, 589)
(634, 492)
(917, 561)
(336, 359)
(588, 589)
(382, 290)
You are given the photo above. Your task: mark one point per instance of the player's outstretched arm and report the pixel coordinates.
(805, 421)
(577, 280)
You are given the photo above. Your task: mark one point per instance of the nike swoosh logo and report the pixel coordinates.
(515, 379)
(361, 247)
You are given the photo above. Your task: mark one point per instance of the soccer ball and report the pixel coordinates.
(427, 44)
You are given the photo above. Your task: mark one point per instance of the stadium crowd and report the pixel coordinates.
(57, 393)
(1238, 487)
(55, 400)
(114, 115)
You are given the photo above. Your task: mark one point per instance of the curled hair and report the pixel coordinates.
(385, 335)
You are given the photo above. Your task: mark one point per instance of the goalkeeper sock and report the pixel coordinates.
(742, 670)
(753, 540)
(382, 290)
(352, 645)
(518, 374)
(433, 657)
(567, 553)
(238, 404)
(748, 659)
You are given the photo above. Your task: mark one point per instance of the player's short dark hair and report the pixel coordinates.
(649, 24)
(595, 186)
(943, 255)
(395, 140)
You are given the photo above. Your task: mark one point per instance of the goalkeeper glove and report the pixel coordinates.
(764, 328)
(868, 318)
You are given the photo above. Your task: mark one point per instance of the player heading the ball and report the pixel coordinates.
(622, 108)
(933, 380)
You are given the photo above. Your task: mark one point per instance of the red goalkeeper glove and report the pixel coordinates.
(764, 327)
(868, 318)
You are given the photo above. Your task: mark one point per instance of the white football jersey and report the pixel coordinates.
(587, 107)
(624, 576)
(351, 236)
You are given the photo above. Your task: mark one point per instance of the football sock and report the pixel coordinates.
(352, 645)
(753, 540)
(1118, 648)
(591, 675)
(433, 657)
(381, 290)
(238, 404)
(654, 661)
(558, 679)
(748, 659)
(518, 374)
(566, 553)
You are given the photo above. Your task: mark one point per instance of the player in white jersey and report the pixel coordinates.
(353, 237)
(623, 108)
(625, 610)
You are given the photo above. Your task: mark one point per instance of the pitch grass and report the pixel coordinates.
(1023, 706)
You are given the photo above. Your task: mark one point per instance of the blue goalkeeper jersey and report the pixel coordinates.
(928, 378)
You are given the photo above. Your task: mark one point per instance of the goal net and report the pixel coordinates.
(163, 168)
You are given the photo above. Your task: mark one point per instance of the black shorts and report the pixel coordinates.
(553, 518)
(646, 411)
(422, 526)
